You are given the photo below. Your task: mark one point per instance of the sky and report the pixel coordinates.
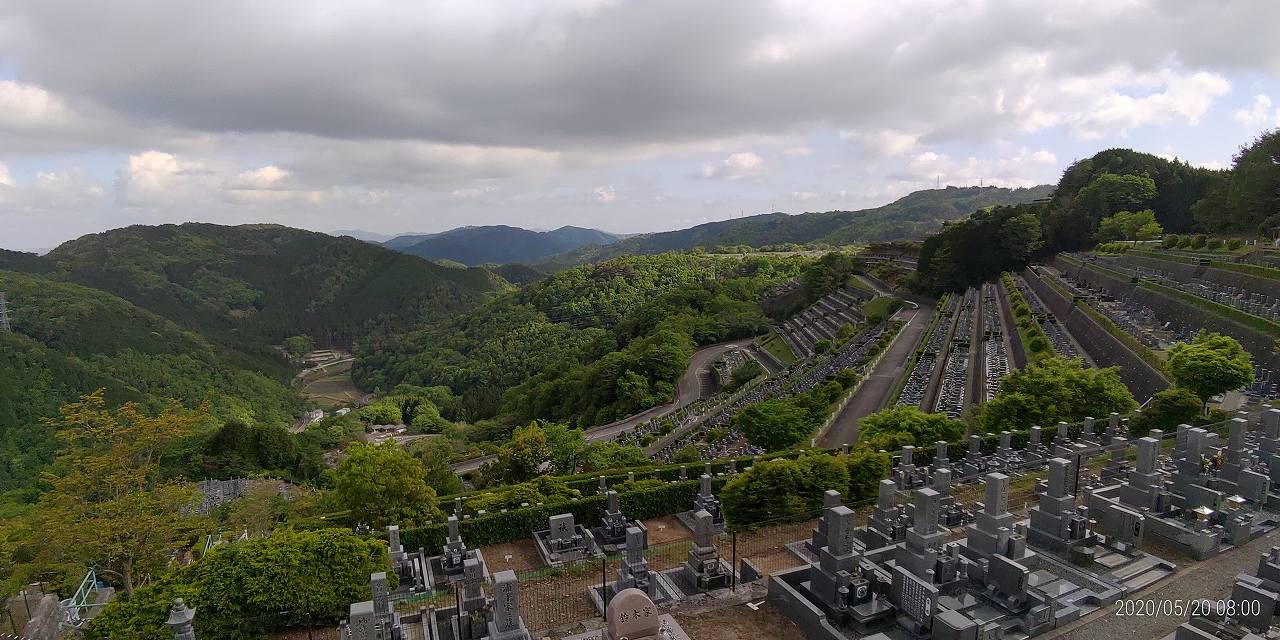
(411, 116)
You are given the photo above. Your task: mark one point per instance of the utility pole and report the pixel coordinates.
(4, 314)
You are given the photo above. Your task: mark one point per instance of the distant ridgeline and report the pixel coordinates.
(911, 217)
(1244, 200)
(499, 244)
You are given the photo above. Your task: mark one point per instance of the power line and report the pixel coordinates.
(4, 314)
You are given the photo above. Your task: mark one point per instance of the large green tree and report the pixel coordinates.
(923, 428)
(1209, 364)
(1052, 390)
(383, 484)
(774, 425)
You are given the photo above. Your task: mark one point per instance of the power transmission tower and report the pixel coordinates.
(4, 314)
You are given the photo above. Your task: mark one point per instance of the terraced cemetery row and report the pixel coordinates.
(823, 319)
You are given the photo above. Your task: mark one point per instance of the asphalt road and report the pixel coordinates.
(688, 388)
(872, 395)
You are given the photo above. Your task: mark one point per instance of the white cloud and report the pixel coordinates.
(1107, 108)
(604, 195)
(155, 178)
(1259, 113)
(805, 195)
(25, 105)
(5, 178)
(886, 142)
(1026, 169)
(744, 164)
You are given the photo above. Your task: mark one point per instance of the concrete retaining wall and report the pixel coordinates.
(1103, 348)
(1168, 309)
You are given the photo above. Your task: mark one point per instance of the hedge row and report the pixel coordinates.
(1239, 267)
(1030, 329)
(496, 528)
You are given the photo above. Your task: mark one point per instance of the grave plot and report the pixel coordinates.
(1237, 296)
(953, 394)
(995, 358)
(1062, 342)
(822, 319)
(932, 349)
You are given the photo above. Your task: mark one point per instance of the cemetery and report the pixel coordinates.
(921, 379)
(823, 318)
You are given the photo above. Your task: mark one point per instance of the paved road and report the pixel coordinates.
(872, 395)
(688, 389)
(1209, 579)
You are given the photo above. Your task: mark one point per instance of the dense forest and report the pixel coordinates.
(1244, 199)
(259, 284)
(593, 343)
(910, 217)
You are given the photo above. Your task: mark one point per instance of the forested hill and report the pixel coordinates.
(258, 284)
(69, 340)
(1179, 198)
(910, 217)
(593, 343)
(498, 244)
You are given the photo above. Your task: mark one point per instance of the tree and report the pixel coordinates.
(774, 425)
(1020, 236)
(1052, 390)
(749, 371)
(767, 491)
(434, 453)
(383, 484)
(924, 428)
(238, 588)
(1129, 225)
(1168, 409)
(606, 454)
(866, 468)
(1108, 193)
(382, 412)
(106, 504)
(298, 346)
(686, 455)
(1210, 364)
(526, 451)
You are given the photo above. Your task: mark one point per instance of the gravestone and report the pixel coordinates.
(704, 569)
(633, 616)
(507, 623)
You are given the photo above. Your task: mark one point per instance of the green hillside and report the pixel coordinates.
(69, 340)
(258, 284)
(1243, 200)
(912, 216)
(592, 343)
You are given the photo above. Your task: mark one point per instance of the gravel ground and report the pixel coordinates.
(1209, 579)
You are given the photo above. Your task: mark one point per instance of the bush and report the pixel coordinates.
(1170, 241)
(1038, 344)
(1168, 409)
(240, 588)
(1184, 242)
(1234, 244)
(1198, 241)
(1214, 244)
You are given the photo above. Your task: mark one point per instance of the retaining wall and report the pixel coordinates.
(1102, 347)
(1168, 309)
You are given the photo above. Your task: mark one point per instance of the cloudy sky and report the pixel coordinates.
(396, 116)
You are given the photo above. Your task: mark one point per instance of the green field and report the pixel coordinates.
(777, 347)
(332, 387)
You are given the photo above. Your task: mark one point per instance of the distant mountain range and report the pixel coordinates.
(497, 244)
(910, 217)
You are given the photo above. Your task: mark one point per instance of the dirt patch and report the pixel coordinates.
(524, 556)
(740, 621)
(666, 529)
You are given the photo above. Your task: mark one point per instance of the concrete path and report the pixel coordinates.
(873, 394)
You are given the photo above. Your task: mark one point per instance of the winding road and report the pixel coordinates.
(688, 390)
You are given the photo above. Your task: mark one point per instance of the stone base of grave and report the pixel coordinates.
(789, 589)
(551, 558)
(678, 577)
(686, 519)
(606, 546)
(663, 591)
(438, 578)
(670, 630)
